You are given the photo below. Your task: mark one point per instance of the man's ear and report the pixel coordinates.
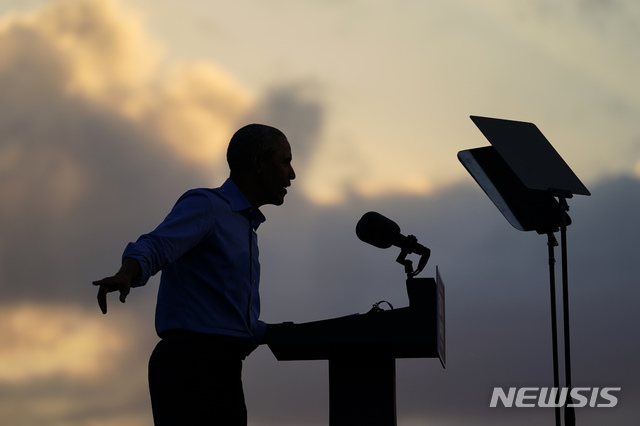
(257, 163)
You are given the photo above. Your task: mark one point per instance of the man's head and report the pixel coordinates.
(259, 158)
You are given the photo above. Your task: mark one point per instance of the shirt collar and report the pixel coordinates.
(239, 202)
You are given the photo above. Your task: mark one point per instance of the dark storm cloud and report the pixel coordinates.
(498, 308)
(81, 179)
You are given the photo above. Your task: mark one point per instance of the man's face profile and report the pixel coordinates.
(276, 174)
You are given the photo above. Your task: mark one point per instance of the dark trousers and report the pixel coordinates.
(196, 380)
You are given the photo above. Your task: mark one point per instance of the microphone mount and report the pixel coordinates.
(379, 231)
(408, 264)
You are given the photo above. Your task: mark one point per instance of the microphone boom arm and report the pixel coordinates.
(408, 264)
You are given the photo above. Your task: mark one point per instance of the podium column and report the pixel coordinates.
(362, 391)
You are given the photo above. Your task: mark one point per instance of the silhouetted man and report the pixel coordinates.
(208, 302)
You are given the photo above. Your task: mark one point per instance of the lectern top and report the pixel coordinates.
(530, 155)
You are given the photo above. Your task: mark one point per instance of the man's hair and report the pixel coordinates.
(250, 141)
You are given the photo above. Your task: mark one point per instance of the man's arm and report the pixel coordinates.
(185, 226)
(121, 282)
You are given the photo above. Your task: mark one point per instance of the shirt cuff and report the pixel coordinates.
(145, 273)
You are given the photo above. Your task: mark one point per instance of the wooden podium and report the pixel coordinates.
(362, 350)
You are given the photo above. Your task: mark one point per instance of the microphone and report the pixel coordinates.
(379, 231)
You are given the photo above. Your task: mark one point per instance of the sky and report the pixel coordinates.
(111, 109)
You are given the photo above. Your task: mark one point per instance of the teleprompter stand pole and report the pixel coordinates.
(552, 242)
(569, 413)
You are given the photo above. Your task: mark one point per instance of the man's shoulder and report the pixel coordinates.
(227, 196)
(206, 192)
(208, 196)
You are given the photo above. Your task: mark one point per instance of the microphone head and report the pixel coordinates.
(377, 230)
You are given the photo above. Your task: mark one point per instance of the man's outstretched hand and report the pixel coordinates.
(121, 282)
(110, 284)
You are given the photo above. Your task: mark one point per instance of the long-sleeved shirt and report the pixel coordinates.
(207, 250)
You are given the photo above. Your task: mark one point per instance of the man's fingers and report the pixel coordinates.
(109, 284)
(124, 292)
(106, 286)
(102, 298)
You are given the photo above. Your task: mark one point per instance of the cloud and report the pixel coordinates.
(196, 109)
(99, 52)
(417, 185)
(296, 109)
(38, 341)
(57, 361)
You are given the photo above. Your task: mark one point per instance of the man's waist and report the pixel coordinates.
(228, 344)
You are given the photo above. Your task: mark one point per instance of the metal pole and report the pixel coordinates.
(552, 242)
(569, 413)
